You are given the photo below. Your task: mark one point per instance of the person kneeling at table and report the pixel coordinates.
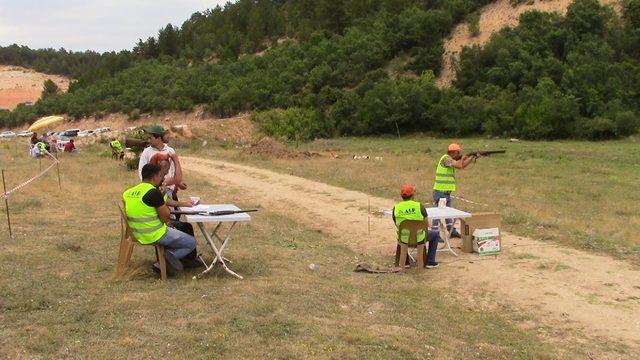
(148, 218)
(409, 209)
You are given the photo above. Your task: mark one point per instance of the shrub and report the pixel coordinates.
(293, 124)
(474, 23)
(598, 128)
(134, 114)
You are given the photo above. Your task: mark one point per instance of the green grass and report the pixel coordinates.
(581, 194)
(58, 297)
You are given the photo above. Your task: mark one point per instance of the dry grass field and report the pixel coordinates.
(581, 194)
(59, 298)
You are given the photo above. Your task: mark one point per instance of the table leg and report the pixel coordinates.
(223, 242)
(446, 237)
(217, 252)
(215, 234)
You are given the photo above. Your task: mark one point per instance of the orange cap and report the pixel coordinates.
(407, 191)
(454, 147)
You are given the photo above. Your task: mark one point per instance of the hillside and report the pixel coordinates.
(493, 18)
(19, 85)
(567, 74)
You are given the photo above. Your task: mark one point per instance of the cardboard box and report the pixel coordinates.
(486, 241)
(482, 220)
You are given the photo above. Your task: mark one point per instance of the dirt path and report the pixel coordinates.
(593, 296)
(493, 18)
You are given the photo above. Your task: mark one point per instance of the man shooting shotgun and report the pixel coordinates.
(449, 163)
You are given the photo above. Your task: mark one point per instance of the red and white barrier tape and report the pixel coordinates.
(467, 201)
(29, 181)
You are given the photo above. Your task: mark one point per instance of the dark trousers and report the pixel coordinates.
(184, 227)
(437, 195)
(430, 255)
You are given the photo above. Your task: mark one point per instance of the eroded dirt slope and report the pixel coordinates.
(493, 18)
(19, 85)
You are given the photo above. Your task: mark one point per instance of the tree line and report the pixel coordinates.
(368, 67)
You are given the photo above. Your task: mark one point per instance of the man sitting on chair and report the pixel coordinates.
(148, 218)
(409, 209)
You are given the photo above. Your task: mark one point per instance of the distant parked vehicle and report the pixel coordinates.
(25, 133)
(70, 133)
(85, 133)
(7, 134)
(102, 130)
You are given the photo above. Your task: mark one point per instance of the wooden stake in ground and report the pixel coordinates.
(58, 169)
(6, 204)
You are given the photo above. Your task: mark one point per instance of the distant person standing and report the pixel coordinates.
(157, 144)
(34, 138)
(445, 182)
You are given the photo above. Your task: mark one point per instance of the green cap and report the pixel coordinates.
(155, 130)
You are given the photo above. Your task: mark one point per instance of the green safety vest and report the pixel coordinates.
(408, 210)
(116, 145)
(41, 146)
(445, 177)
(143, 219)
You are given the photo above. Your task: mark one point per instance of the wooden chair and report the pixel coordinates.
(413, 226)
(128, 242)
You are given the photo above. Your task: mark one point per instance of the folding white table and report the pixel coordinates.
(200, 220)
(443, 214)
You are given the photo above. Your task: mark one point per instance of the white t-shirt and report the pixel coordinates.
(148, 153)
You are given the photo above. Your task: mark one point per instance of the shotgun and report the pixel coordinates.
(213, 213)
(486, 152)
(133, 143)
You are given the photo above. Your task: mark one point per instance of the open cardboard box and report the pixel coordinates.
(481, 220)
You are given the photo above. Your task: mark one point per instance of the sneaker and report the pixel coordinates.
(432, 265)
(173, 264)
(189, 263)
(156, 269)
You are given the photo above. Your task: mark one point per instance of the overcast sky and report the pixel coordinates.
(103, 25)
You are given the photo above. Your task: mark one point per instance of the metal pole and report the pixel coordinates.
(58, 168)
(6, 204)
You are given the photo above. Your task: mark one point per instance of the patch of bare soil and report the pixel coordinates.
(270, 148)
(19, 85)
(571, 296)
(493, 18)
